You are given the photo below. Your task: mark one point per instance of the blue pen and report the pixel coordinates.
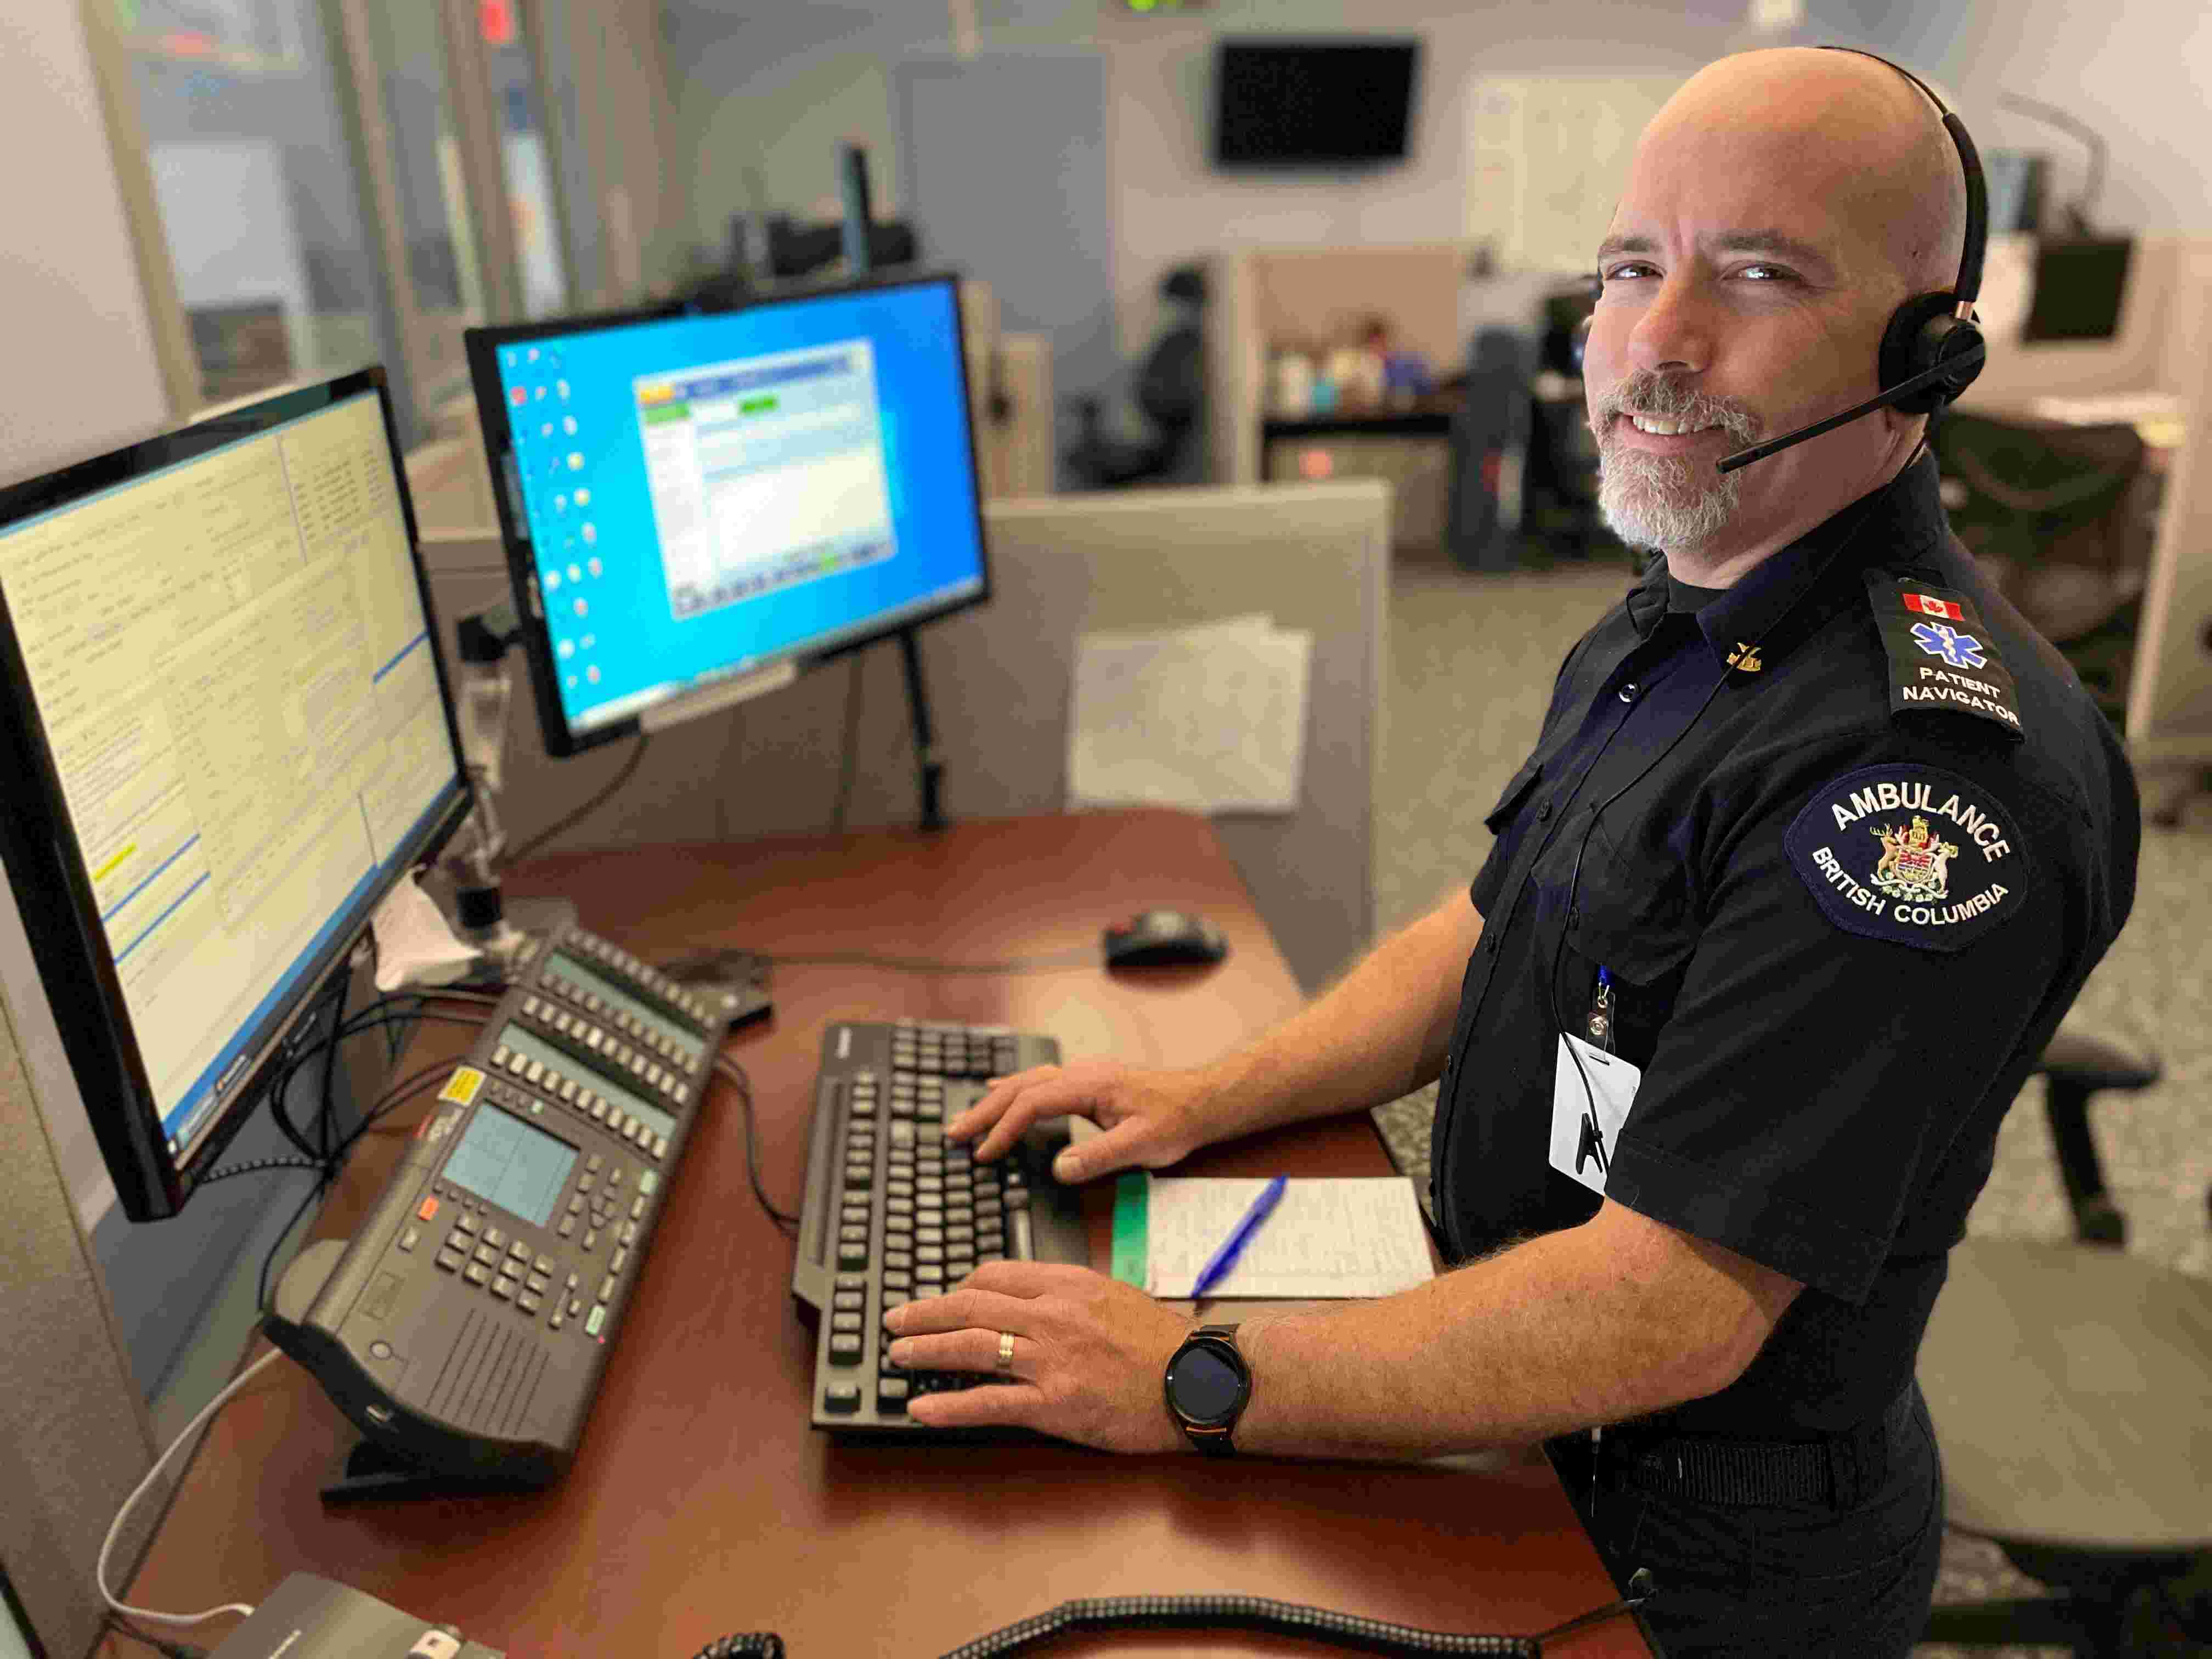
(1226, 1258)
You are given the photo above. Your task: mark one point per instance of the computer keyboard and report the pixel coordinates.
(895, 1211)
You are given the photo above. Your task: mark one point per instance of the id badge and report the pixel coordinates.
(1581, 1146)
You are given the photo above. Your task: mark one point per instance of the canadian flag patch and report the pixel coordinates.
(1927, 605)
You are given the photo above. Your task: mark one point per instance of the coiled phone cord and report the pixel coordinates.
(1342, 1630)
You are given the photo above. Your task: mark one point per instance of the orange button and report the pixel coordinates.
(429, 1211)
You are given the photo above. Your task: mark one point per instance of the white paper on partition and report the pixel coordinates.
(1329, 1237)
(1211, 719)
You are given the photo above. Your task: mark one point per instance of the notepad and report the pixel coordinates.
(1331, 1238)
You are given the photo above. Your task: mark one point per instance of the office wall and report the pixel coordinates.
(81, 375)
(764, 95)
(81, 367)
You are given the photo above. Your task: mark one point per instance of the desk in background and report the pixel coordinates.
(700, 1502)
(1409, 448)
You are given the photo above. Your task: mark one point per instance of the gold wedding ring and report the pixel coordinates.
(1006, 1350)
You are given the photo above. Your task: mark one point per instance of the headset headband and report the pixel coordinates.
(1968, 286)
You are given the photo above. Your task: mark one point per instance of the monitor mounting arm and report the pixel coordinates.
(473, 860)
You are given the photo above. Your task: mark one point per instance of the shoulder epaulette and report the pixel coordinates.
(1940, 656)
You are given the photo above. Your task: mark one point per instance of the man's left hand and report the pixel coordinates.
(1090, 1355)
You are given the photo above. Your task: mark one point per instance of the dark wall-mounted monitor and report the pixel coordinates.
(228, 735)
(1328, 103)
(693, 504)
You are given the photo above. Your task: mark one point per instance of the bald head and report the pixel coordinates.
(1865, 143)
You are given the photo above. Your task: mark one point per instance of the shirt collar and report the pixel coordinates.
(1901, 517)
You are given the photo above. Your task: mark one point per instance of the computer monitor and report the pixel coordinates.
(229, 736)
(2080, 285)
(691, 505)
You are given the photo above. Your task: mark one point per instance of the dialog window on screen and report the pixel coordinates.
(765, 473)
(235, 678)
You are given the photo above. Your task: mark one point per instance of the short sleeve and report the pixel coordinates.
(1874, 949)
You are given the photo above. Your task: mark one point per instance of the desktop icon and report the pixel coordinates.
(552, 581)
(567, 647)
(583, 498)
(572, 682)
(583, 610)
(532, 356)
(545, 429)
(576, 573)
(568, 424)
(538, 393)
(591, 534)
(593, 674)
(590, 640)
(517, 397)
(592, 564)
(562, 386)
(560, 503)
(575, 460)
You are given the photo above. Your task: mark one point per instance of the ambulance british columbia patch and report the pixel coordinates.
(1910, 853)
(1941, 656)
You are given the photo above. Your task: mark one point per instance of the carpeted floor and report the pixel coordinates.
(1472, 661)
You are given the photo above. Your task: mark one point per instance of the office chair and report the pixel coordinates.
(1489, 450)
(2044, 1366)
(1170, 391)
(2074, 1066)
(2050, 514)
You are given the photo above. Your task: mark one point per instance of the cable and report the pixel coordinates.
(734, 1075)
(614, 784)
(1211, 1613)
(100, 1570)
(412, 1084)
(1087, 958)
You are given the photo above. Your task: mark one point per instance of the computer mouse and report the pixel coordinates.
(1163, 938)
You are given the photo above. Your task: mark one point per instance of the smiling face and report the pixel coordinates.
(1777, 209)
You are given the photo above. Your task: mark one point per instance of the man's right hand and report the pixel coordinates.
(1149, 1117)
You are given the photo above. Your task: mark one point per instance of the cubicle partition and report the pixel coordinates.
(1311, 557)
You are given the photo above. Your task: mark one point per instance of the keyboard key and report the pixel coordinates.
(843, 1398)
(450, 1260)
(890, 1395)
(845, 1348)
(478, 1274)
(844, 1322)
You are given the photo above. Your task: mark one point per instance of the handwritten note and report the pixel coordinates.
(1349, 1238)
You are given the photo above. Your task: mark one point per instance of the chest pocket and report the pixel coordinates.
(1633, 914)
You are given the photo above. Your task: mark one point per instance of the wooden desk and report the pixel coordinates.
(700, 1502)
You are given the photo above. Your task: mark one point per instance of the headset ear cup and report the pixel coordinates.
(1922, 334)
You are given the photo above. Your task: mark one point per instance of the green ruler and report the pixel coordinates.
(1132, 1251)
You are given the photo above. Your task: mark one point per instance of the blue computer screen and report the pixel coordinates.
(706, 495)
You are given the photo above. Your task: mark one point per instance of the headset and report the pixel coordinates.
(1931, 349)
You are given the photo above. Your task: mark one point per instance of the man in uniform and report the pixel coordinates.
(1817, 843)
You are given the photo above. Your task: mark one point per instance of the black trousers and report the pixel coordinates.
(1801, 1577)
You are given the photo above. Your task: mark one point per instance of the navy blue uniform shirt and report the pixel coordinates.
(1846, 839)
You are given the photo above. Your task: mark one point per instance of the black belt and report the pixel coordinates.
(1843, 1469)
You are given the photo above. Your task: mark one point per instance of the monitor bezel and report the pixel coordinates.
(483, 345)
(45, 865)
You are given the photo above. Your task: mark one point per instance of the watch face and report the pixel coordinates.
(1205, 1386)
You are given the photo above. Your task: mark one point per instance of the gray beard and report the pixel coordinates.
(1652, 500)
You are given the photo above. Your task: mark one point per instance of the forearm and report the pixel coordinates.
(1543, 1338)
(1380, 1032)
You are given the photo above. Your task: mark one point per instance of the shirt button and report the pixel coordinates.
(1628, 692)
(1545, 810)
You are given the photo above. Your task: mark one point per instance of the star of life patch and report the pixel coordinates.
(1910, 853)
(1940, 656)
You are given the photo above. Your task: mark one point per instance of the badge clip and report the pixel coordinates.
(1600, 1023)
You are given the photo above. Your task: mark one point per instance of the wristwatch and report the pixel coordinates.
(1209, 1385)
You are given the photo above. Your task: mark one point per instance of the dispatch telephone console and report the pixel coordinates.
(464, 1328)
